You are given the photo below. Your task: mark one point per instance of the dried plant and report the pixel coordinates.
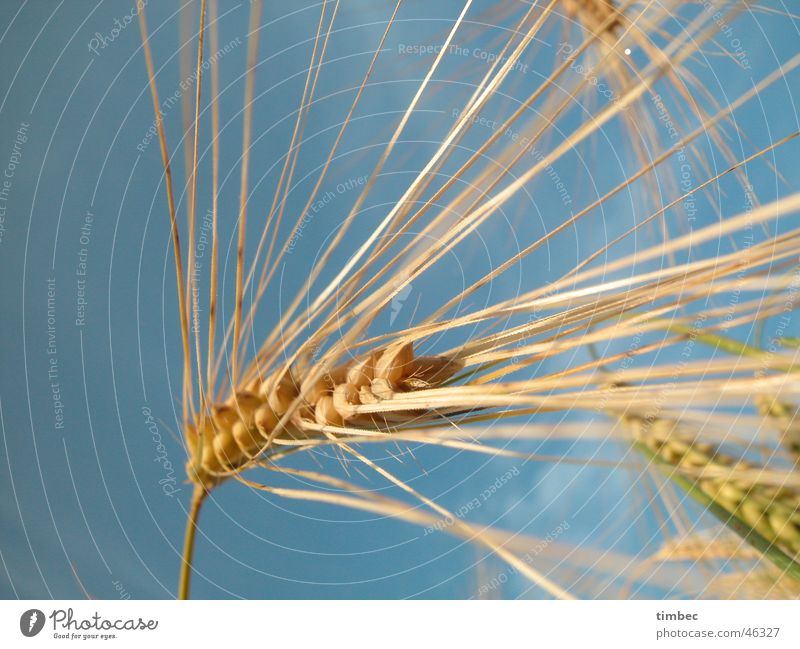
(465, 377)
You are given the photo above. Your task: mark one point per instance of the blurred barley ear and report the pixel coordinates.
(765, 515)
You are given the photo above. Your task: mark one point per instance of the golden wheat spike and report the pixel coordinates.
(453, 134)
(286, 400)
(482, 215)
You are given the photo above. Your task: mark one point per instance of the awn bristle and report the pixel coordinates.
(593, 13)
(784, 417)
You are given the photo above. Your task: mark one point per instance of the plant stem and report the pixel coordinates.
(198, 496)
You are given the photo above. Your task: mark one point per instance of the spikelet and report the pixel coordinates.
(291, 404)
(239, 429)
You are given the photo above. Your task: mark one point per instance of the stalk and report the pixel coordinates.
(198, 497)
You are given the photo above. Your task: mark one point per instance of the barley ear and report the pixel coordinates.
(765, 516)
